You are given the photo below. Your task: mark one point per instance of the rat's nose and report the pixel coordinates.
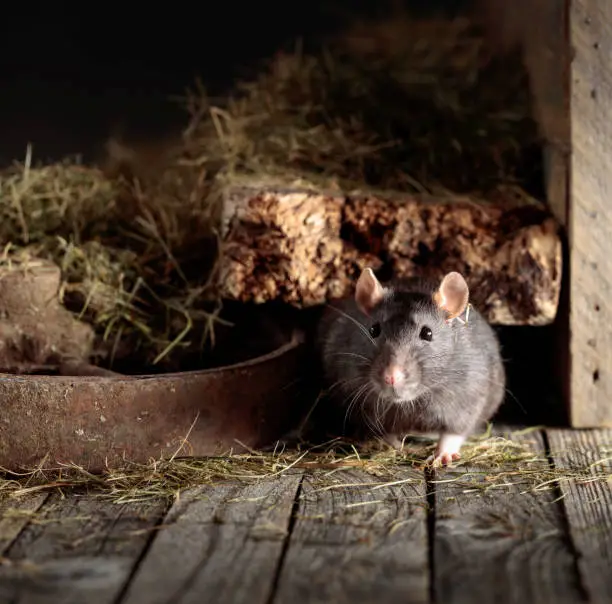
(393, 375)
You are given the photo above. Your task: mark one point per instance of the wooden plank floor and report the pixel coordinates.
(328, 537)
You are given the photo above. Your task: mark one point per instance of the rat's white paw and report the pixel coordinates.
(442, 459)
(447, 450)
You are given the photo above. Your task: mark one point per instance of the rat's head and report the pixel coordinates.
(411, 332)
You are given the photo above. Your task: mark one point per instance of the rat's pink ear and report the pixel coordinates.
(452, 295)
(368, 292)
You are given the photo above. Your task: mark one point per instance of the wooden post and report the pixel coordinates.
(590, 213)
(567, 47)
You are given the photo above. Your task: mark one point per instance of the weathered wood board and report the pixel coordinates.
(340, 535)
(588, 505)
(590, 224)
(362, 542)
(220, 543)
(567, 46)
(76, 550)
(502, 545)
(15, 514)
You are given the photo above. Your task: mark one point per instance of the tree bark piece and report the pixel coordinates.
(306, 247)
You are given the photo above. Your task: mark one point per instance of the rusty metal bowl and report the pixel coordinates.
(95, 421)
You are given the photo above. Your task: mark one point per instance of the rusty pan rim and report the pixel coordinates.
(295, 340)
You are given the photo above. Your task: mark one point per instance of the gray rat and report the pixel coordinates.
(415, 357)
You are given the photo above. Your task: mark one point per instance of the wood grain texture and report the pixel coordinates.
(591, 214)
(77, 550)
(588, 505)
(500, 545)
(357, 543)
(15, 514)
(221, 543)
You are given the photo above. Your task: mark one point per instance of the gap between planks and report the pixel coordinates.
(76, 549)
(588, 504)
(307, 538)
(15, 514)
(505, 545)
(357, 538)
(222, 543)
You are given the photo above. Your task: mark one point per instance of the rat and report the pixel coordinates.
(415, 357)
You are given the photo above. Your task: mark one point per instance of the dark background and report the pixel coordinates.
(71, 73)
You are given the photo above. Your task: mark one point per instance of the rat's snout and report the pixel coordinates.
(393, 375)
(398, 378)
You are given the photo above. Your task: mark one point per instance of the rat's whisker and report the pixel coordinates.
(353, 401)
(361, 327)
(378, 416)
(372, 423)
(350, 354)
(343, 382)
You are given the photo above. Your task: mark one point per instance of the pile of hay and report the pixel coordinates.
(136, 266)
(414, 106)
(411, 106)
(500, 462)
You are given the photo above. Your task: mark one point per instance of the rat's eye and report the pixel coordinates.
(375, 330)
(426, 334)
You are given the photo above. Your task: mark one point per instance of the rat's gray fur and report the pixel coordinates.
(461, 374)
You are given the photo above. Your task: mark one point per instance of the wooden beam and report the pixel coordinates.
(590, 215)
(566, 47)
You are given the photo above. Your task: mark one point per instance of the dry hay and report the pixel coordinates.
(488, 463)
(404, 105)
(416, 106)
(137, 267)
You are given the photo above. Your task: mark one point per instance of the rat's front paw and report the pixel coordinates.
(442, 459)
(447, 450)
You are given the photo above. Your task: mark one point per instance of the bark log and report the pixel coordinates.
(306, 247)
